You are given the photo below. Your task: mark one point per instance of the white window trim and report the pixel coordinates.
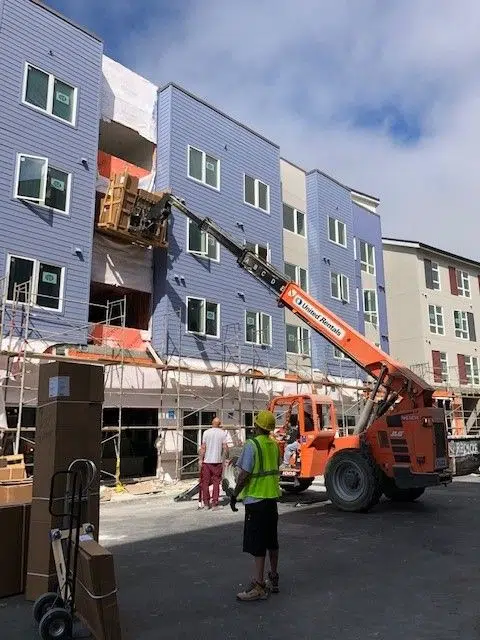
(297, 274)
(340, 355)
(259, 319)
(256, 245)
(337, 221)
(365, 266)
(445, 379)
(41, 202)
(35, 275)
(255, 206)
(204, 168)
(435, 267)
(295, 221)
(51, 83)
(373, 324)
(469, 366)
(203, 333)
(299, 340)
(461, 319)
(436, 325)
(347, 279)
(464, 292)
(199, 254)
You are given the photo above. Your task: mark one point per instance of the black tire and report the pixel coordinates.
(44, 603)
(303, 485)
(56, 624)
(352, 481)
(395, 494)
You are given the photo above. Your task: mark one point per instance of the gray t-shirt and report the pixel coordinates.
(246, 461)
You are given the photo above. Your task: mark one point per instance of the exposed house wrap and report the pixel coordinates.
(121, 265)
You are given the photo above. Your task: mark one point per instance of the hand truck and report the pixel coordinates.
(54, 612)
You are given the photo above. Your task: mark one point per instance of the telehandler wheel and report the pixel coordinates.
(395, 494)
(352, 481)
(303, 484)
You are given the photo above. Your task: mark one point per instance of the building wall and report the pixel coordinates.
(183, 121)
(30, 33)
(326, 197)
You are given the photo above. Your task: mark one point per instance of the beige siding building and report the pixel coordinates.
(433, 307)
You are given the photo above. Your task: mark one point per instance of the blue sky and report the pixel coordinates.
(382, 95)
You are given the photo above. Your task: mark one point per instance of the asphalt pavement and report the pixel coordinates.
(398, 572)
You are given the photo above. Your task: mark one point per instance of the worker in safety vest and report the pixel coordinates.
(259, 489)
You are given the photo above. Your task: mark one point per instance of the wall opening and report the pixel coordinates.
(138, 305)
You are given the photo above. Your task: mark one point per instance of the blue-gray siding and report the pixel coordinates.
(30, 33)
(184, 121)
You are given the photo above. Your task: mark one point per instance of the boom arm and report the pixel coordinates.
(402, 383)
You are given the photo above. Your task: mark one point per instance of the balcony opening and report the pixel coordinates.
(138, 306)
(126, 144)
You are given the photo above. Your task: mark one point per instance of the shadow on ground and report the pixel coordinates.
(398, 572)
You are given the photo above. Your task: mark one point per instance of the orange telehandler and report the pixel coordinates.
(399, 445)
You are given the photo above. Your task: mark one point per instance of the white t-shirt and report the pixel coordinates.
(213, 439)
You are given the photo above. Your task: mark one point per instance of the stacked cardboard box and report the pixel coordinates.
(14, 526)
(15, 487)
(68, 428)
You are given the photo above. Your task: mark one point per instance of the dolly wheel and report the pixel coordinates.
(44, 603)
(56, 624)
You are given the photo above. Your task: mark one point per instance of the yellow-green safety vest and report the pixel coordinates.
(264, 481)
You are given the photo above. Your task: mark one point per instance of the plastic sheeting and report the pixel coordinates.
(122, 265)
(129, 99)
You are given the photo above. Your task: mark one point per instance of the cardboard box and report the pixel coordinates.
(12, 473)
(70, 381)
(96, 591)
(14, 527)
(15, 492)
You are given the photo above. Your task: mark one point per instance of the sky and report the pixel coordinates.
(382, 95)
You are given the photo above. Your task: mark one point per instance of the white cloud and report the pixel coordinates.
(297, 71)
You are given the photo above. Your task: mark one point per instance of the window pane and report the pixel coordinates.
(291, 335)
(56, 193)
(305, 346)
(21, 271)
(262, 196)
(341, 233)
(194, 315)
(251, 326)
(211, 171)
(265, 338)
(211, 323)
(334, 285)
(249, 190)
(37, 88)
(48, 286)
(290, 271)
(303, 278)
(195, 238)
(30, 177)
(332, 229)
(288, 218)
(300, 223)
(212, 248)
(195, 164)
(63, 100)
(262, 252)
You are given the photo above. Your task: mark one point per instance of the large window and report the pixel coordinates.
(204, 168)
(42, 184)
(367, 257)
(435, 317)
(460, 319)
(201, 243)
(256, 193)
(463, 284)
(45, 92)
(293, 220)
(370, 311)
(432, 274)
(203, 317)
(339, 287)
(261, 250)
(337, 231)
(297, 274)
(45, 280)
(472, 370)
(298, 340)
(258, 328)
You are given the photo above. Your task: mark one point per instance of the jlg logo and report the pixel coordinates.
(396, 434)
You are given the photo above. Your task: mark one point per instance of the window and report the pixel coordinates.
(432, 274)
(256, 193)
(297, 274)
(435, 315)
(367, 257)
(45, 92)
(444, 366)
(201, 243)
(337, 231)
(338, 355)
(203, 317)
(204, 168)
(46, 282)
(440, 366)
(339, 287)
(298, 340)
(260, 250)
(463, 284)
(42, 184)
(472, 370)
(293, 220)
(370, 312)
(258, 328)
(464, 325)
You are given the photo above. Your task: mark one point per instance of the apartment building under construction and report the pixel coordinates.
(182, 332)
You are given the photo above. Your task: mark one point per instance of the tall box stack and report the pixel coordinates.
(68, 428)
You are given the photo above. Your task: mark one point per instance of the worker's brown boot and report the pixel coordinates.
(255, 591)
